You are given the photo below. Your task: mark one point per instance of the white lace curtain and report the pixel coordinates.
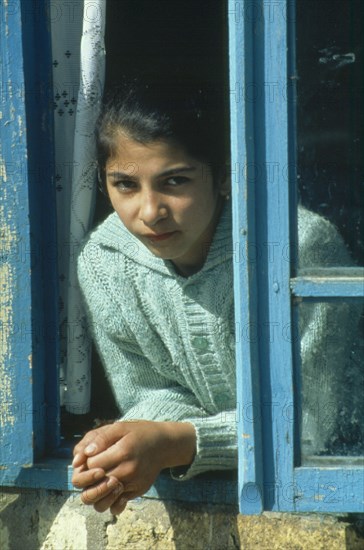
(78, 75)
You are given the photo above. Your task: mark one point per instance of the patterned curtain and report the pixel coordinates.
(78, 75)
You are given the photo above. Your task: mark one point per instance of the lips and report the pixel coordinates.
(159, 237)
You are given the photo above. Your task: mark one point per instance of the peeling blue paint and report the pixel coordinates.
(262, 53)
(16, 428)
(28, 297)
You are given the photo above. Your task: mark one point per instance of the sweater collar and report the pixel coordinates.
(113, 234)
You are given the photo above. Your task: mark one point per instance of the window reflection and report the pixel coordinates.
(331, 379)
(330, 114)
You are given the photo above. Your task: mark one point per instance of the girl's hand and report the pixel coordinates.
(85, 478)
(128, 456)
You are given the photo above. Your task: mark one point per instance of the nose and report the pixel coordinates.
(152, 208)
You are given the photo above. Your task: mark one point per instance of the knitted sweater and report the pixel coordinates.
(168, 342)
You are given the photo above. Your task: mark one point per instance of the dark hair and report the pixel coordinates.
(192, 116)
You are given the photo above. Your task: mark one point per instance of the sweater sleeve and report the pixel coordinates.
(143, 393)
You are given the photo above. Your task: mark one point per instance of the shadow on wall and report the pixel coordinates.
(26, 517)
(45, 520)
(209, 526)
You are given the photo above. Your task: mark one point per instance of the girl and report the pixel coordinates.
(157, 280)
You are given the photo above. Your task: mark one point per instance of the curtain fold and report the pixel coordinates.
(78, 73)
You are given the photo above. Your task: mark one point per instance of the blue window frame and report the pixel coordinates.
(32, 452)
(262, 135)
(29, 352)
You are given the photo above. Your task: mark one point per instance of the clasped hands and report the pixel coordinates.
(118, 462)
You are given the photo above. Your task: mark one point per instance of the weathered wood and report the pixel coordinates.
(16, 360)
(328, 287)
(29, 332)
(245, 274)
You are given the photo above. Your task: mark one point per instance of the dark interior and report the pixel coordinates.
(189, 37)
(157, 39)
(330, 113)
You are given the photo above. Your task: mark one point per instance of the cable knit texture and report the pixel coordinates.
(168, 343)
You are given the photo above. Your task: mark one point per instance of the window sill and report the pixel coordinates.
(55, 474)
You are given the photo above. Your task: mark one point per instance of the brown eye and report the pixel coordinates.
(177, 180)
(124, 185)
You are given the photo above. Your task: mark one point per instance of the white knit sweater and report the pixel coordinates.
(167, 342)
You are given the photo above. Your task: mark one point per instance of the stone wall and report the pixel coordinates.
(43, 520)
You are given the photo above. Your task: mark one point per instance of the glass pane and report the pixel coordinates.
(330, 371)
(330, 73)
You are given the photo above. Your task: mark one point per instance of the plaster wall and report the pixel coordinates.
(44, 520)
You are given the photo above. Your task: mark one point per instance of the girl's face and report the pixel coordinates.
(166, 199)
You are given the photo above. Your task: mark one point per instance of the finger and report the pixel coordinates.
(105, 503)
(93, 494)
(97, 441)
(87, 445)
(80, 469)
(121, 502)
(112, 457)
(84, 478)
(88, 438)
(119, 505)
(79, 459)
